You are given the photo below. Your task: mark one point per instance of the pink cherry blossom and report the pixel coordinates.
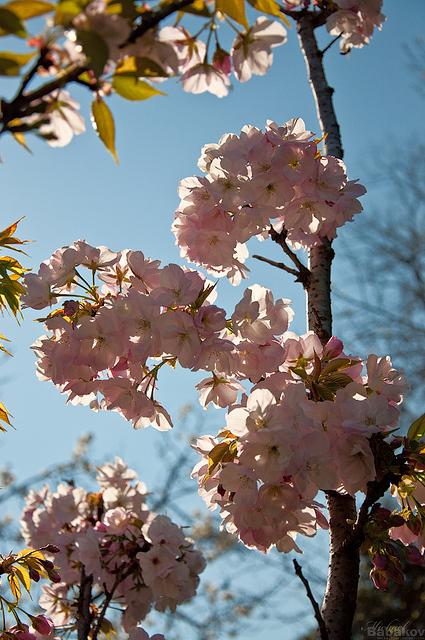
(251, 52)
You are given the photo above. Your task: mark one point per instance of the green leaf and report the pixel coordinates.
(299, 371)
(335, 381)
(235, 9)
(26, 9)
(338, 364)
(11, 62)
(417, 429)
(95, 48)
(10, 24)
(271, 7)
(104, 125)
(131, 88)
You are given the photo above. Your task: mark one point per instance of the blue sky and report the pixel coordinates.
(78, 192)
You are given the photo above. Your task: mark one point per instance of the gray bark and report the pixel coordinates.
(339, 603)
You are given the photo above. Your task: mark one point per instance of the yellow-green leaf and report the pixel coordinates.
(20, 139)
(10, 24)
(104, 125)
(235, 9)
(11, 62)
(125, 8)
(26, 9)
(3, 348)
(140, 67)
(24, 576)
(4, 417)
(66, 11)
(198, 8)
(222, 452)
(417, 429)
(271, 7)
(14, 585)
(95, 48)
(7, 235)
(131, 88)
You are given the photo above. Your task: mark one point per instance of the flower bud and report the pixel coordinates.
(333, 348)
(50, 548)
(54, 576)
(42, 624)
(379, 561)
(22, 632)
(34, 575)
(397, 521)
(70, 308)
(221, 61)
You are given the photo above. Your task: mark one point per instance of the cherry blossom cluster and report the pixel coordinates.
(127, 317)
(100, 43)
(303, 429)
(176, 52)
(260, 177)
(355, 21)
(135, 559)
(352, 20)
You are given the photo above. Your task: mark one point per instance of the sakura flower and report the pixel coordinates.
(220, 391)
(204, 77)
(189, 52)
(64, 119)
(177, 287)
(251, 52)
(38, 292)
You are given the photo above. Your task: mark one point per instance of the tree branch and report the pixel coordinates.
(303, 274)
(279, 265)
(151, 18)
(83, 606)
(317, 614)
(17, 108)
(340, 599)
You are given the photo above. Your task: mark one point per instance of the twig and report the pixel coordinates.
(151, 18)
(30, 74)
(322, 627)
(328, 46)
(303, 273)
(108, 597)
(279, 265)
(17, 108)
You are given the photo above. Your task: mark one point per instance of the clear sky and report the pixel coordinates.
(78, 192)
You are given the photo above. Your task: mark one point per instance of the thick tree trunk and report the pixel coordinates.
(339, 603)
